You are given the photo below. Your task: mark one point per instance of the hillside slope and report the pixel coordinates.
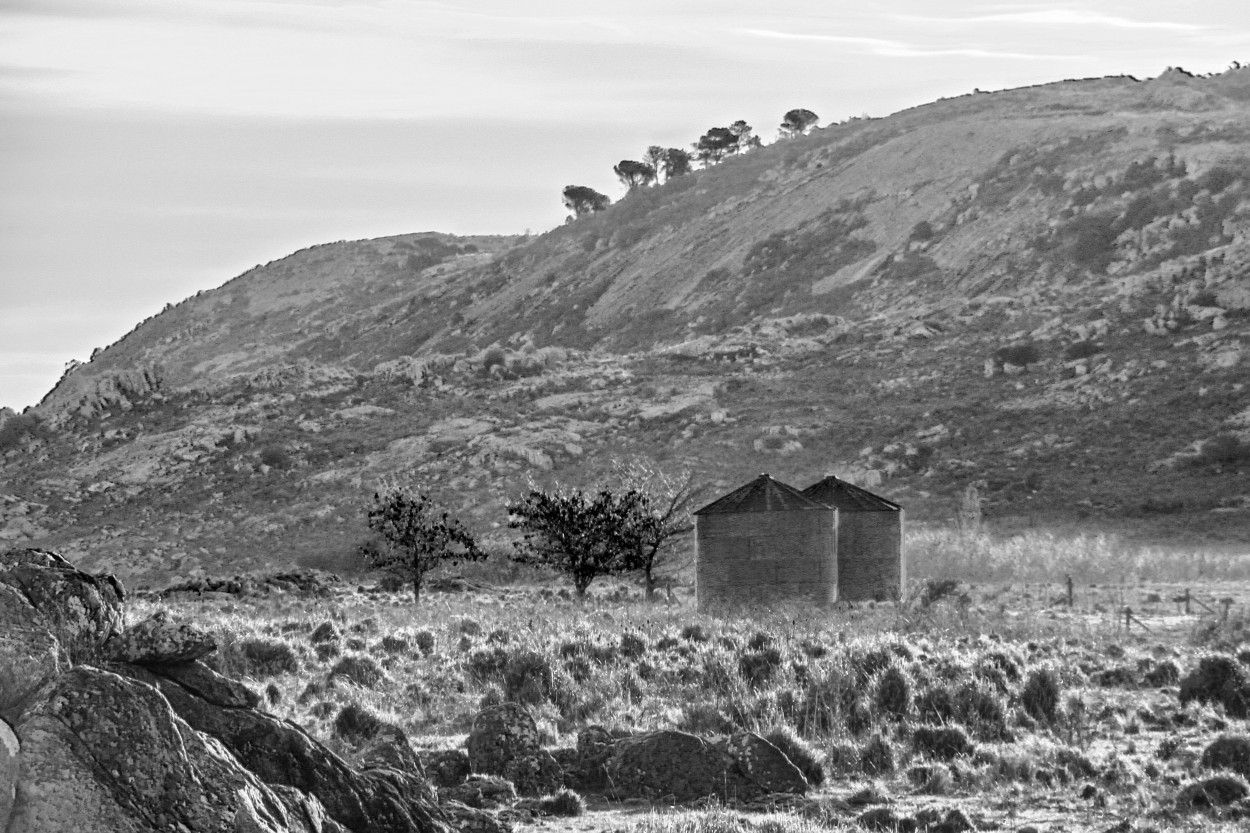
(1043, 292)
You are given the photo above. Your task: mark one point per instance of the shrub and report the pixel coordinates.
(982, 712)
(527, 677)
(1222, 450)
(800, 752)
(892, 694)
(364, 671)
(266, 657)
(325, 632)
(757, 667)
(395, 644)
(425, 641)
(1218, 679)
(1231, 752)
(876, 757)
(633, 646)
(276, 457)
(1082, 350)
(1040, 695)
(942, 742)
(1022, 355)
(704, 719)
(1164, 674)
(936, 705)
(564, 802)
(355, 723)
(1216, 791)
(694, 633)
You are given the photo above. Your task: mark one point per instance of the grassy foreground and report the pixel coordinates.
(994, 699)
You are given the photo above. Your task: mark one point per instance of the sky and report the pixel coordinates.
(150, 149)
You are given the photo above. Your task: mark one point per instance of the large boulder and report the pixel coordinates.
(82, 611)
(504, 741)
(105, 753)
(158, 639)
(765, 765)
(10, 746)
(668, 763)
(155, 739)
(30, 656)
(279, 752)
(684, 767)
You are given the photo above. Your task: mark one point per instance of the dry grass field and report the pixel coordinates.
(984, 699)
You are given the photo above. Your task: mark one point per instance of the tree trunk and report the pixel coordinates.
(416, 589)
(650, 582)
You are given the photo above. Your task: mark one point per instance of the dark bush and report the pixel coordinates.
(1082, 350)
(1218, 679)
(1021, 355)
(1222, 450)
(266, 658)
(527, 677)
(936, 705)
(757, 667)
(355, 723)
(942, 742)
(1216, 791)
(876, 757)
(1040, 695)
(564, 802)
(325, 632)
(1230, 752)
(364, 671)
(892, 695)
(276, 457)
(800, 752)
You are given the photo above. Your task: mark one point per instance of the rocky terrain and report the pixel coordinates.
(1043, 293)
(322, 708)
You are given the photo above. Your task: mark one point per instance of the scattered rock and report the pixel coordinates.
(480, 791)
(446, 767)
(588, 769)
(669, 763)
(504, 741)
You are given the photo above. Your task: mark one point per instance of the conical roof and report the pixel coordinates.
(848, 498)
(763, 494)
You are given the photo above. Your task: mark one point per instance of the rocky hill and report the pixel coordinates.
(1042, 292)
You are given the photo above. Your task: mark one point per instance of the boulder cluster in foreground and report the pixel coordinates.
(109, 728)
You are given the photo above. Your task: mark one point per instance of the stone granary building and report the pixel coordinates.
(870, 541)
(767, 542)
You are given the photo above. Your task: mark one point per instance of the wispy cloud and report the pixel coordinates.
(901, 49)
(1058, 17)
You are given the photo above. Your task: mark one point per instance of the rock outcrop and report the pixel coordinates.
(504, 741)
(684, 767)
(107, 729)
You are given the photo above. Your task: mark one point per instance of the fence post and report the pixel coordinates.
(1068, 579)
(1186, 601)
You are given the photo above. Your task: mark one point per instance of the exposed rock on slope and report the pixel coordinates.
(165, 744)
(1058, 277)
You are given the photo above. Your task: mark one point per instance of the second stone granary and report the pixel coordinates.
(768, 542)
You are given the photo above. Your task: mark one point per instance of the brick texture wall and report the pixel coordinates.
(762, 557)
(870, 556)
